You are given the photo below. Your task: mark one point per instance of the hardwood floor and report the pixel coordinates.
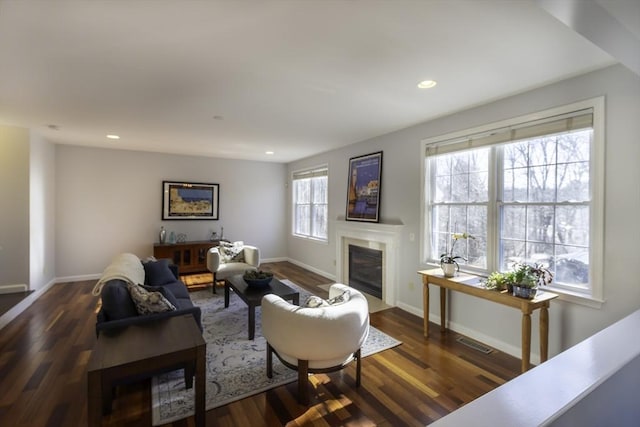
(44, 354)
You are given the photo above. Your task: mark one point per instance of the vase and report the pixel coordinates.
(524, 292)
(449, 269)
(163, 235)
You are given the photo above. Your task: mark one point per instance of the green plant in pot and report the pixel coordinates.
(527, 278)
(448, 261)
(498, 281)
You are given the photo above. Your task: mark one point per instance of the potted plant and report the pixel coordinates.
(522, 282)
(498, 281)
(448, 261)
(527, 278)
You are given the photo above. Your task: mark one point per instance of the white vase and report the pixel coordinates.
(449, 269)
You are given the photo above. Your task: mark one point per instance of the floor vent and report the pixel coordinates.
(474, 345)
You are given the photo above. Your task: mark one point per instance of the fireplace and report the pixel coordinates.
(381, 238)
(365, 270)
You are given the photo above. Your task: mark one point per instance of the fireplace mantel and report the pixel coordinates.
(385, 237)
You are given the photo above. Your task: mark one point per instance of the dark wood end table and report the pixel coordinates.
(252, 296)
(142, 351)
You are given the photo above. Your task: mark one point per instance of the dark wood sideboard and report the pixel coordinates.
(191, 257)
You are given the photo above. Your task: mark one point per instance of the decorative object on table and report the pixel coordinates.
(181, 238)
(257, 278)
(363, 191)
(448, 259)
(163, 235)
(172, 237)
(190, 200)
(523, 281)
(221, 233)
(214, 236)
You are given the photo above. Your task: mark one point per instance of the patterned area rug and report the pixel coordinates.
(236, 367)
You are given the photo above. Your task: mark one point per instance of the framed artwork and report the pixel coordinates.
(189, 200)
(363, 192)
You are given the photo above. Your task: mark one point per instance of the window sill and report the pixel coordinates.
(311, 239)
(577, 298)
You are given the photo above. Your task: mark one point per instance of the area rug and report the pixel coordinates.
(236, 366)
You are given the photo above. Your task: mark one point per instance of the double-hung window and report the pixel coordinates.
(528, 190)
(310, 203)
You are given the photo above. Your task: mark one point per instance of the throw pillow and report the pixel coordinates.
(315, 302)
(149, 302)
(158, 273)
(166, 292)
(340, 299)
(231, 252)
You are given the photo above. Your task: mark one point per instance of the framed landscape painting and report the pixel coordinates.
(189, 200)
(363, 192)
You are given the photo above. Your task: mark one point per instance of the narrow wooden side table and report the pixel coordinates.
(142, 351)
(470, 285)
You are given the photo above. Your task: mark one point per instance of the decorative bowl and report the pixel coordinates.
(258, 283)
(257, 278)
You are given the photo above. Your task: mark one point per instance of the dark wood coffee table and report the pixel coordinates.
(141, 351)
(252, 296)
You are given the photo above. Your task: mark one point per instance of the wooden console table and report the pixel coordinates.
(470, 285)
(190, 257)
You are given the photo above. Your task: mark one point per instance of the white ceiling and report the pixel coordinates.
(234, 79)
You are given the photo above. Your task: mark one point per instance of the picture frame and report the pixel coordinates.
(190, 200)
(363, 190)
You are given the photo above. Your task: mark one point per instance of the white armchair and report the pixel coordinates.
(222, 268)
(315, 340)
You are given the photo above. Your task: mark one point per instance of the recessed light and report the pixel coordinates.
(270, 153)
(113, 137)
(427, 84)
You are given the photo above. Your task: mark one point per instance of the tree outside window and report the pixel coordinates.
(310, 204)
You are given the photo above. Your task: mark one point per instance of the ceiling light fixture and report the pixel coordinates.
(427, 84)
(270, 153)
(113, 137)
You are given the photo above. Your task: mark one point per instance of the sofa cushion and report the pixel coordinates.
(158, 273)
(116, 301)
(166, 292)
(177, 288)
(147, 302)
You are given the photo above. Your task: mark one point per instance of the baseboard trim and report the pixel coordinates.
(312, 269)
(78, 278)
(24, 304)
(472, 333)
(13, 289)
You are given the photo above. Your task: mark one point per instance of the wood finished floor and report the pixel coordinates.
(44, 354)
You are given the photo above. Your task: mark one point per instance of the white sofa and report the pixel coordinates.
(221, 269)
(314, 340)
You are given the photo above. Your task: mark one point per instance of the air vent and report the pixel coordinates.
(474, 345)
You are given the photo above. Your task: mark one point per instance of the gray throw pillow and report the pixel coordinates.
(158, 273)
(149, 302)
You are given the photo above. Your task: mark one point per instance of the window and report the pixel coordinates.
(527, 190)
(310, 203)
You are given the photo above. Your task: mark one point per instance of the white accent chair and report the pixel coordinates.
(221, 269)
(315, 340)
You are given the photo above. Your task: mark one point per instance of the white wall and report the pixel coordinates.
(42, 212)
(14, 206)
(401, 195)
(110, 201)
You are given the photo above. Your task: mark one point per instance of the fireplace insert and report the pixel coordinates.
(365, 270)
